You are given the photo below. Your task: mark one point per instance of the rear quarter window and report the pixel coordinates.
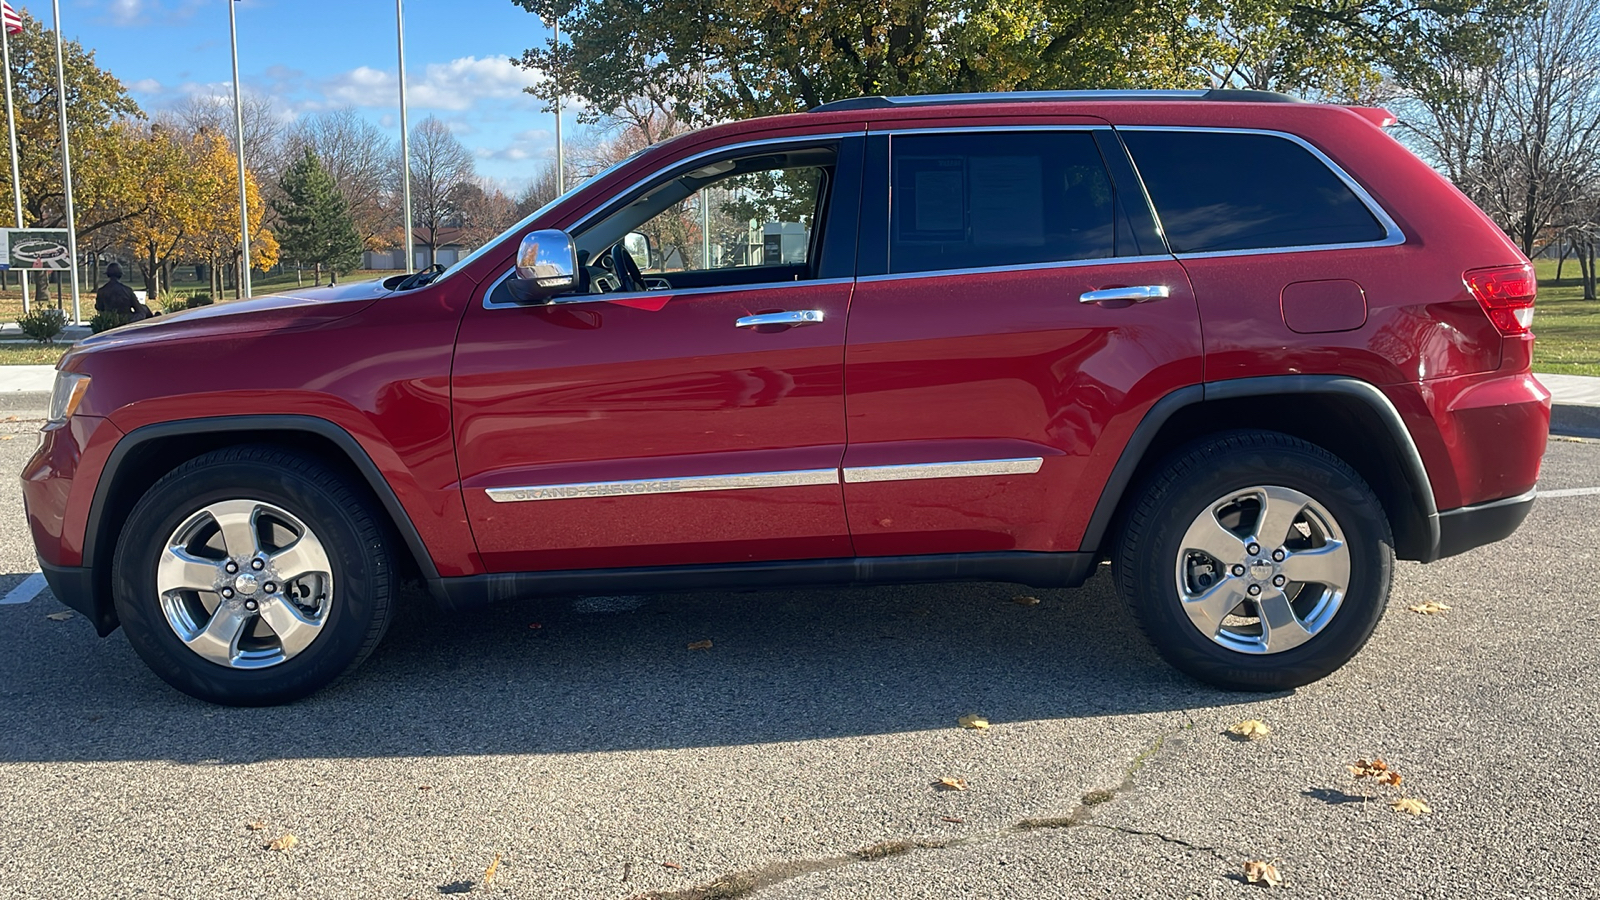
(1221, 191)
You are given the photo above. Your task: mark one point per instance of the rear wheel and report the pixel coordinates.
(1256, 561)
(252, 576)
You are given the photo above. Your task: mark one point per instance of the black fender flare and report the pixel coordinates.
(279, 424)
(1368, 394)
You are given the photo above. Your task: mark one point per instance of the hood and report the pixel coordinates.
(301, 308)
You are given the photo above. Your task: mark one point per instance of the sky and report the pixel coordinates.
(312, 55)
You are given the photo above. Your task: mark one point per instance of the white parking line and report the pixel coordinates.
(1571, 492)
(27, 590)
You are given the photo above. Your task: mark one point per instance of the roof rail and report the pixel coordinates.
(1237, 96)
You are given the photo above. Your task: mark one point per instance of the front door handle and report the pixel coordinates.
(791, 317)
(1137, 294)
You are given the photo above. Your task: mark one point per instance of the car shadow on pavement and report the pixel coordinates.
(617, 673)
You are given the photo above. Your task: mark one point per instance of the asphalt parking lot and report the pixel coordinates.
(585, 747)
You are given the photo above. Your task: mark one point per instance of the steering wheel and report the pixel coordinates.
(629, 278)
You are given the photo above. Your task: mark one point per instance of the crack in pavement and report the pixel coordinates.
(743, 884)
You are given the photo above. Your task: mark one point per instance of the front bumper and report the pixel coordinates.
(75, 587)
(1468, 527)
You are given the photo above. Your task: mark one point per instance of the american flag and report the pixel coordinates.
(13, 21)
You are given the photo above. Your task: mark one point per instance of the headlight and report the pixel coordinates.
(66, 395)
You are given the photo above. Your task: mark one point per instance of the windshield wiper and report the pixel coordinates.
(420, 279)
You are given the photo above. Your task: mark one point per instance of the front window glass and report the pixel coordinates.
(754, 219)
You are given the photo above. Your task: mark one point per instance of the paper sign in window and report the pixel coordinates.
(1007, 200)
(938, 203)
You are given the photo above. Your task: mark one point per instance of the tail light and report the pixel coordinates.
(1506, 294)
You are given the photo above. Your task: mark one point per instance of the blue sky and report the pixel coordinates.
(308, 56)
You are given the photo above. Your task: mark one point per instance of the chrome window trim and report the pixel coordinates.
(972, 468)
(580, 299)
(1023, 267)
(967, 129)
(1392, 237)
(613, 205)
(687, 485)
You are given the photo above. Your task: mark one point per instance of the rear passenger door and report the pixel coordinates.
(988, 386)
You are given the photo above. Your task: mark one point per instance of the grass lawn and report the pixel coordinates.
(1567, 326)
(14, 353)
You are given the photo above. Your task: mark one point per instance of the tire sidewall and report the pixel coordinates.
(1355, 510)
(357, 571)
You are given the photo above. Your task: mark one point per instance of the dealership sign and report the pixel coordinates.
(34, 248)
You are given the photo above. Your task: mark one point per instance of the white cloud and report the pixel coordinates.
(454, 86)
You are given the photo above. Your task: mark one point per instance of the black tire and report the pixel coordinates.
(344, 522)
(1148, 565)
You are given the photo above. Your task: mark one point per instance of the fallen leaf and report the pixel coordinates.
(424, 787)
(1392, 779)
(701, 645)
(951, 819)
(1364, 769)
(950, 784)
(1258, 872)
(1025, 600)
(1411, 805)
(257, 825)
(1251, 729)
(11, 418)
(1430, 608)
(488, 875)
(973, 720)
(59, 616)
(9, 437)
(672, 865)
(283, 844)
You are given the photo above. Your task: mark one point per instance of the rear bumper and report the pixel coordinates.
(1468, 527)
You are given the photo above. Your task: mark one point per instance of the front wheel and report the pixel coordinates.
(251, 576)
(1256, 561)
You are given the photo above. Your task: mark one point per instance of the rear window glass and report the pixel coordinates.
(965, 201)
(1218, 191)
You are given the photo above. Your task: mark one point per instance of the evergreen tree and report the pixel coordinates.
(316, 227)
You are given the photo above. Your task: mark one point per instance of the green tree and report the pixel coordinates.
(315, 227)
(106, 183)
(705, 61)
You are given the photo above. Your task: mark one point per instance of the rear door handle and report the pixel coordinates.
(1137, 294)
(791, 317)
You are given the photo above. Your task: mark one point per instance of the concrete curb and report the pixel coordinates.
(1574, 404)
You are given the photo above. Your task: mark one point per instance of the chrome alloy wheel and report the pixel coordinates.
(245, 584)
(1262, 570)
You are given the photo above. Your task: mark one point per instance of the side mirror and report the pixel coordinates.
(638, 247)
(547, 265)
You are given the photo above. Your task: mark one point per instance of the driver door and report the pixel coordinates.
(665, 426)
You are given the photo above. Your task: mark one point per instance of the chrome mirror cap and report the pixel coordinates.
(547, 264)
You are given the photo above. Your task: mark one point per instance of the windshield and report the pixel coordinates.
(467, 260)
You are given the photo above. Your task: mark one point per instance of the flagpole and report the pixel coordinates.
(11, 129)
(561, 164)
(66, 164)
(238, 124)
(405, 138)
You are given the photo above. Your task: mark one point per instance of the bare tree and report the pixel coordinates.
(1519, 131)
(484, 211)
(440, 164)
(263, 129)
(363, 160)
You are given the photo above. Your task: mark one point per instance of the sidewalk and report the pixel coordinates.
(1575, 410)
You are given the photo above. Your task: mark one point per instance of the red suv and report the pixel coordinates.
(1249, 350)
